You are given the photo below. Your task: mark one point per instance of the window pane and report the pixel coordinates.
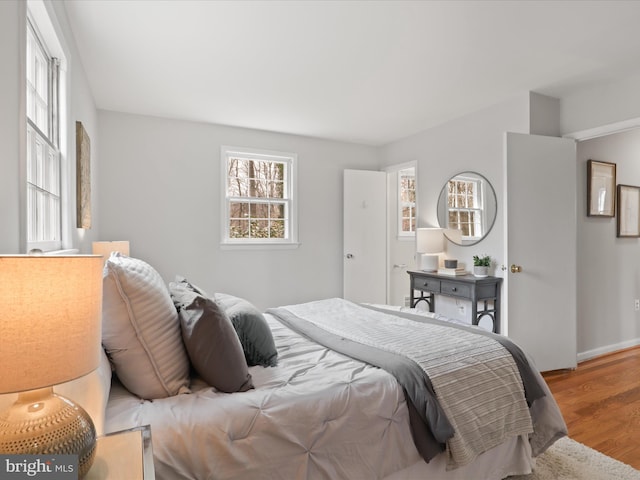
(257, 188)
(264, 170)
(37, 165)
(37, 83)
(472, 230)
(239, 228)
(238, 167)
(277, 229)
(275, 189)
(259, 229)
(237, 187)
(259, 210)
(54, 221)
(277, 210)
(32, 205)
(238, 210)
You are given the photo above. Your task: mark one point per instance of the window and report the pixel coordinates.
(44, 230)
(465, 200)
(407, 202)
(259, 197)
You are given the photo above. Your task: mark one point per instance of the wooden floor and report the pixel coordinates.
(600, 401)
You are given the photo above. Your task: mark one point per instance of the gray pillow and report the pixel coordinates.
(252, 329)
(212, 344)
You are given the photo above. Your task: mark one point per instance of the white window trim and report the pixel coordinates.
(292, 191)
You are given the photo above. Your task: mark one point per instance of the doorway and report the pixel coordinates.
(402, 193)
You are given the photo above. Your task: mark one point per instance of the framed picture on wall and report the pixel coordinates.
(601, 189)
(83, 177)
(628, 211)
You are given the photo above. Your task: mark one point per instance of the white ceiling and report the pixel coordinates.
(369, 72)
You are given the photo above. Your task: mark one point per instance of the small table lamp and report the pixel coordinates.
(106, 248)
(50, 333)
(429, 245)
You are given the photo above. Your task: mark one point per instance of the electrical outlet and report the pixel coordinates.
(637, 304)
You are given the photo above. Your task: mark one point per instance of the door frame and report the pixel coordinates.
(392, 220)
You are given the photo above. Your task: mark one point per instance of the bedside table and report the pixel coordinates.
(125, 454)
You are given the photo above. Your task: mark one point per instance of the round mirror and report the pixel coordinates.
(467, 208)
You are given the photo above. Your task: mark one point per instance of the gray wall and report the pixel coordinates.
(608, 267)
(140, 194)
(603, 104)
(472, 143)
(12, 30)
(160, 189)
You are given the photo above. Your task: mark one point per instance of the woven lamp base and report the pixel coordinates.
(41, 422)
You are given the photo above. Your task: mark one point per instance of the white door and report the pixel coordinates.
(365, 251)
(541, 240)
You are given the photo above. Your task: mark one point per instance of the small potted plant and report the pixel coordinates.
(481, 265)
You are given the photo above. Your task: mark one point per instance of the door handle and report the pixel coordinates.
(399, 265)
(516, 268)
(349, 255)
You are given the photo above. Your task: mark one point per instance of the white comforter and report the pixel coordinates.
(317, 415)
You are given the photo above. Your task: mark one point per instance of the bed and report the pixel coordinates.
(314, 412)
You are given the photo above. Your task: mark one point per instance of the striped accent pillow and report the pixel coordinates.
(141, 331)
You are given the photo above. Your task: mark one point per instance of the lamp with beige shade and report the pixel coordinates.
(51, 333)
(107, 248)
(429, 246)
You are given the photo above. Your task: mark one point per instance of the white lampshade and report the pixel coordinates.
(429, 240)
(106, 248)
(50, 324)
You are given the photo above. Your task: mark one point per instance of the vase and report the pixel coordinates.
(480, 271)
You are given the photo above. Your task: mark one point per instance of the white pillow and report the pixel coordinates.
(141, 330)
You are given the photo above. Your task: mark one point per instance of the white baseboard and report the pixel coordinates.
(596, 352)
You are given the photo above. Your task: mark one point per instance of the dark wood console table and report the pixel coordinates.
(466, 287)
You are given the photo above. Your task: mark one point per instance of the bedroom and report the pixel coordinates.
(139, 172)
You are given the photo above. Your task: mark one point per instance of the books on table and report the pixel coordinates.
(452, 271)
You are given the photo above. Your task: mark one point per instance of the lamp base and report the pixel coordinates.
(429, 262)
(41, 422)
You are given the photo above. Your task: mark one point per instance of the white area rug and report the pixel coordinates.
(570, 460)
